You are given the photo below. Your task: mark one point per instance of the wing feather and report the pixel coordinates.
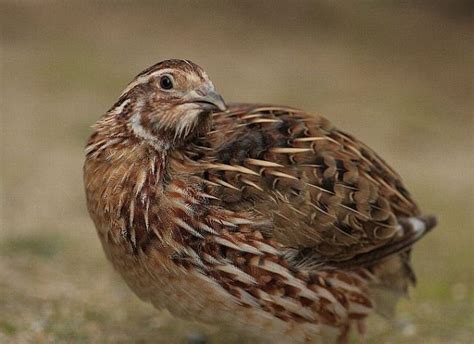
(333, 194)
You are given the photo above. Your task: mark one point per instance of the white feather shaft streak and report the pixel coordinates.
(337, 283)
(326, 294)
(272, 108)
(261, 246)
(240, 221)
(289, 150)
(210, 259)
(187, 227)
(206, 195)
(238, 247)
(320, 188)
(141, 178)
(206, 228)
(250, 183)
(252, 116)
(262, 163)
(250, 249)
(356, 307)
(265, 120)
(225, 242)
(294, 307)
(237, 273)
(232, 168)
(316, 138)
(271, 267)
(145, 214)
(224, 183)
(281, 174)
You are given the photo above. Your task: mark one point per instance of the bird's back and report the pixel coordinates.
(318, 186)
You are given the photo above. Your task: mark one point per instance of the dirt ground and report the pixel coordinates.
(397, 76)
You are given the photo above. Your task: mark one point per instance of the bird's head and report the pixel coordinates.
(168, 103)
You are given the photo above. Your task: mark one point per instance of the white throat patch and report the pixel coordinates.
(139, 131)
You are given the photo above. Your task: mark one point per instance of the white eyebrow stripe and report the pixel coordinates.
(143, 79)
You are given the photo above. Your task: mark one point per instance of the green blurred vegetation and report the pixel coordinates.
(397, 75)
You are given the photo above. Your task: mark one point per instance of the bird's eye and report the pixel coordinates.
(166, 83)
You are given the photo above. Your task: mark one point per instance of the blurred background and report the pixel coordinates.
(396, 74)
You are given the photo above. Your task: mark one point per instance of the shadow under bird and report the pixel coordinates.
(263, 217)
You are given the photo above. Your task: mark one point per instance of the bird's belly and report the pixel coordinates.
(156, 279)
(189, 294)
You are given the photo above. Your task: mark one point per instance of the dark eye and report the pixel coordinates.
(166, 83)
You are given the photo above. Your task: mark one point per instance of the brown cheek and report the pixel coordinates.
(163, 118)
(146, 120)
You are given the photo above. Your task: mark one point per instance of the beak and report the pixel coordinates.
(210, 100)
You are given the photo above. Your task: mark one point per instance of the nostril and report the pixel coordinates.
(200, 93)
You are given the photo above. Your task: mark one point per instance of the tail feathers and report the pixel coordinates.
(410, 230)
(417, 226)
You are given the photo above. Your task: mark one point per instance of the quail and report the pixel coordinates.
(262, 217)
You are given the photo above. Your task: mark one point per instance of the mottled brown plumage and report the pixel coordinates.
(263, 217)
